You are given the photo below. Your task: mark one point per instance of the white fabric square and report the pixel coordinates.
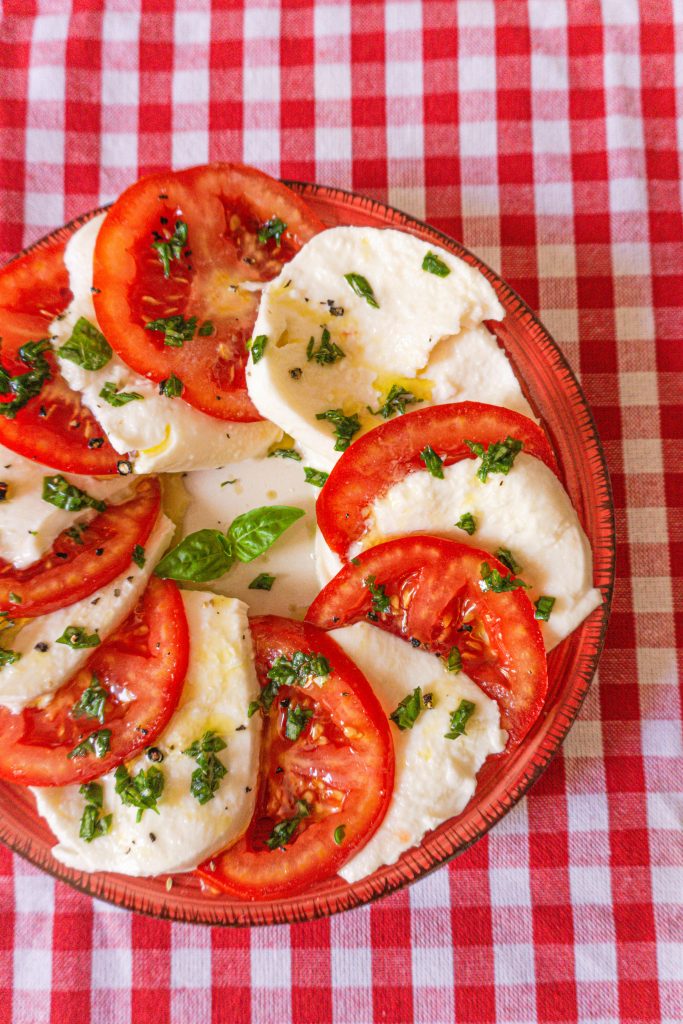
(332, 20)
(556, 260)
(476, 14)
(666, 886)
(510, 887)
(631, 259)
(350, 967)
(628, 195)
(549, 136)
(624, 132)
(190, 148)
(262, 84)
(548, 71)
(643, 455)
(270, 968)
(652, 593)
(34, 894)
(405, 141)
(478, 138)
(46, 82)
(635, 323)
(191, 86)
(403, 78)
(638, 388)
(661, 738)
(587, 812)
(332, 81)
(670, 961)
(430, 892)
(44, 145)
(595, 961)
(50, 28)
(191, 968)
(192, 27)
(261, 23)
(120, 88)
(543, 14)
(657, 664)
(513, 964)
(664, 811)
(647, 525)
(432, 966)
(112, 968)
(621, 70)
(333, 144)
(476, 72)
(620, 12)
(590, 885)
(33, 970)
(403, 17)
(43, 209)
(409, 199)
(119, 149)
(261, 146)
(555, 199)
(120, 27)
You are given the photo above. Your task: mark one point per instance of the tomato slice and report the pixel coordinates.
(341, 766)
(142, 667)
(435, 600)
(391, 451)
(223, 207)
(54, 427)
(84, 558)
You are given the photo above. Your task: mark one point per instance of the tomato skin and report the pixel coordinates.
(361, 767)
(389, 452)
(147, 655)
(434, 584)
(223, 206)
(54, 582)
(33, 289)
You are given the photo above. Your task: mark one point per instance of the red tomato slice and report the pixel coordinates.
(146, 657)
(223, 206)
(433, 590)
(391, 451)
(341, 766)
(54, 427)
(82, 561)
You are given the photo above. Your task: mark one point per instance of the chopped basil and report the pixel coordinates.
(253, 532)
(87, 347)
(226, 482)
(380, 601)
(25, 386)
(8, 657)
(92, 825)
(60, 493)
(285, 453)
(262, 582)
(171, 387)
(138, 556)
(499, 457)
(432, 462)
(207, 776)
(344, 427)
(294, 671)
(97, 743)
(91, 702)
(284, 831)
(408, 710)
(77, 639)
(257, 346)
(315, 476)
(544, 607)
(201, 556)
(505, 556)
(339, 834)
(492, 580)
(75, 532)
(362, 287)
(168, 249)
(459, 719)
(328, 352)
(454, 662)
(273, 228)
(467, 522)
(297, 720)
(395, 403)
(177, 329)
(14, 598)
(434, 265)
(143, 791)
(118, 398)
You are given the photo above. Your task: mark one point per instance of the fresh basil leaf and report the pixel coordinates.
(467, 522)
(454, 662)
(60, 493)
(171, 387)
(176, 329)
(262, 582)
(92, 825)
(493, 580)
(284, 831)
(273, 228)
(544, 607)
(118, 398)
(168, 249)
(91, 702)
(434, 265)
(339, 834)
(142, 792)
(362, 287)
(253, 532)
(257, 347)
(432, 462)
(344, 426)
(380, 601)
(8, 657)
(206, 778)
(201, 556)
(505, 556)
(395, 403)
(408, 711)
(297, 720)
(25, 386)
(87, 347)
(459, 719)
(499, 457)
(328, 352)
(138, 556)
(97, 743)
(285, 453)
(77, 639)
(315, 476)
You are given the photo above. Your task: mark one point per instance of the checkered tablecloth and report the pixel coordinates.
(543, 133)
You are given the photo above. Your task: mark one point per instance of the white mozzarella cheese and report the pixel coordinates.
(28, 525)
(528, 512)
(412, 339)
(220, 684)
(39, 673)
(166, 434)
(435, 777)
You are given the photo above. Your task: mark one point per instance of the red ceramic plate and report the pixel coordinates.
(555, 394)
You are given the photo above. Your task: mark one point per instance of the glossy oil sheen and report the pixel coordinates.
(554, 393)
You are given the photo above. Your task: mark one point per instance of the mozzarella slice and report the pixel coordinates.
(39, 673)
(435, 777)
(412, 339)
(166, 434)
(528, 512)
(29, 526)
(220, 683)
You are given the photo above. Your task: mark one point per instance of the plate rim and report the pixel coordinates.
(320, 906)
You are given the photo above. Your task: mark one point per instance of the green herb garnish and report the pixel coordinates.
(176, 329)
(60, 493)
(362, 287)
(395, 403)
(273, 228)
(118, 398)
(493, 580)
(8, 657)
(143, 791)
(294, 671)
(206, 778)
(408, 710)
(262, 582)
(168, 249)
(92, 825)
(284, 831)
(344, 427)
(434, 265)
(505, 556)
(138, 556)
(467, 522)
(339, 834)
(328, 352)
(87, 347)
(432, 462)
(91, 702)
(459, 719)
(97, 743)
(257, 346)
(25, 386)
(171, 387)
(77, 639)
(544, 607)
(297, 720)
(315, 476)
(454, 662)
(285, 453)
(380, 601)
(499, 457)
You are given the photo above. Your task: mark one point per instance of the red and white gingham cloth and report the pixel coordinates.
(543, 134)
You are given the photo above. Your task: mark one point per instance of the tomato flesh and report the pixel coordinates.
(385, 455)
(341, 766)
(435, 600)
(224, 207)
(145, 660)
(54, 427)
(82, 561)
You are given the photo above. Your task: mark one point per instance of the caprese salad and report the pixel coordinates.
(282, 543)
